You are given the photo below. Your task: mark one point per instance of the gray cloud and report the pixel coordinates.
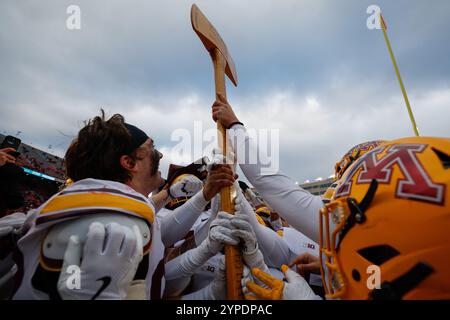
(310, 68)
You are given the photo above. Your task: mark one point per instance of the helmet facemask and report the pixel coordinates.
(344, 213)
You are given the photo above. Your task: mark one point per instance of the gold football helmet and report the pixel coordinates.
(177, 202)
(385, 234)
(352, 155)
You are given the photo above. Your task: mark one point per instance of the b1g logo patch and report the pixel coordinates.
(210, 268)
(415, 185)
(309, 245)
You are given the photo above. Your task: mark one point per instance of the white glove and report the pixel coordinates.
(188, 263)
(219, 158)
(296, 288)
(243, 208)
(109, 262)
(216, 290)
(244, 231)
(178, 271)
(220, 233)
(249, 243)
(252, 256)
(186, 187)
(274, 249)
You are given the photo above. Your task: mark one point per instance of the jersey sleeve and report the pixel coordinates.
(296, 205)
(176, 225)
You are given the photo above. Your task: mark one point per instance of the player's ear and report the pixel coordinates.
(127, 162)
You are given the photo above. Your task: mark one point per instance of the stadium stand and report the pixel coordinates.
(42, 176)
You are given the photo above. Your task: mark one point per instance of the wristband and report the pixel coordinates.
(233, 123)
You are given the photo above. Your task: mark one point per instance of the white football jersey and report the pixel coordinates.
(299, 244)
(85, 197)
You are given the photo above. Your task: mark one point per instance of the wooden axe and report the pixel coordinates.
(223, 64)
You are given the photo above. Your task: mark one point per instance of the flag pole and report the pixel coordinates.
(399, 77)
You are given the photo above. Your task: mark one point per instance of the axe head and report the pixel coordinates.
(212, 40)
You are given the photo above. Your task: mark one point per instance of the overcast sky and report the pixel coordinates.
(310, 68)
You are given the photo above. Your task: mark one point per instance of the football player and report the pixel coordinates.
(412, 174)
(384, 233)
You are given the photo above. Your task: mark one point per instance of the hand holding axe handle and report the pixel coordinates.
(223, 64)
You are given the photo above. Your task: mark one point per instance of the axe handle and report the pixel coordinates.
(233, 258)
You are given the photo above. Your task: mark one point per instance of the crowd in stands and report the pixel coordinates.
(34, 190)
(40, 161)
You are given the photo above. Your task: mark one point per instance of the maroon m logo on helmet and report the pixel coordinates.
(416, 183)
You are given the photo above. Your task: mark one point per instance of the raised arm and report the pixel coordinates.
(299, 207)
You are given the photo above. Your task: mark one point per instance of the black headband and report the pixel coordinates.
(138, 137)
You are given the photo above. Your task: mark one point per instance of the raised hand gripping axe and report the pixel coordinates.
(223, 64)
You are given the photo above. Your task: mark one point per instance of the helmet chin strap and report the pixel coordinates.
(357, 210)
